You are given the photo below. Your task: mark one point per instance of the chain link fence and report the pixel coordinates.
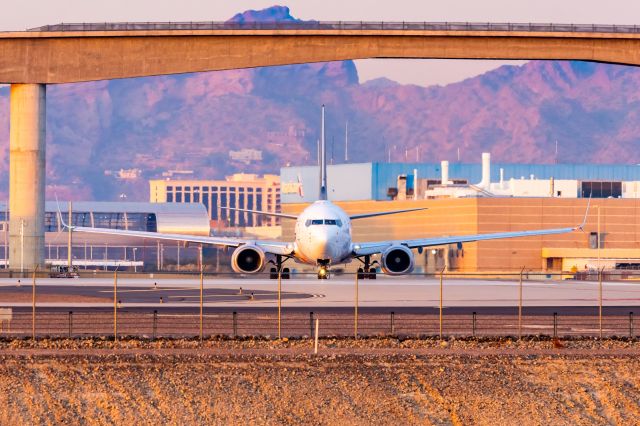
(249, 316)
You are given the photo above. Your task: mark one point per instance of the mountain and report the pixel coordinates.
(194, 121)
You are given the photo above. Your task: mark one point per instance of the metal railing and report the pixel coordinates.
(340, 25)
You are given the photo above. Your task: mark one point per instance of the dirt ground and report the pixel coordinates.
(369, 381)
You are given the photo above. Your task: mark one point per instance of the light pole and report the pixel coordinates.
(135, 265)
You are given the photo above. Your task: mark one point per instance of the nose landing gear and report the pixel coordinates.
(323, 272)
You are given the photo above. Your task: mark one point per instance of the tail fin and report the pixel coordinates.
(323, 162)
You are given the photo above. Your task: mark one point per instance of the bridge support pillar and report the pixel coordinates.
(27, 162)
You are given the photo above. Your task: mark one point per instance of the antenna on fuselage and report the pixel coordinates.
(323, 162)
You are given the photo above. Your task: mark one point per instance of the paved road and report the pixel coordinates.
(311, 293)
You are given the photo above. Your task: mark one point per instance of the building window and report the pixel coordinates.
(214, 206)
(81, 219)
(142, 222)
(169, 197)
(232, 214)
(593, 240)
(187, 197)
(109, 220)
(178, 197)
(223, 204)
(601, 189)
(51, 222)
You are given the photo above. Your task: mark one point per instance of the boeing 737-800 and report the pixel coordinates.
(323, 238)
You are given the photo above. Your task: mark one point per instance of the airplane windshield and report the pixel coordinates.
(335, 222)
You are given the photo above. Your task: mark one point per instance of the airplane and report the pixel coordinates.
(323, 238)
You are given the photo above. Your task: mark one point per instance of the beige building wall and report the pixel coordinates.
(619, 227)
(242, 191)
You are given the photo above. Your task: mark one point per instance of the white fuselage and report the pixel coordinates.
(323, 235)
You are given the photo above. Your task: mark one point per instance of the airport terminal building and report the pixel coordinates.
(476, 200)
(108, 251)
(241, 190)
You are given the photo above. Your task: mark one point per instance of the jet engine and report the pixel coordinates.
(248, 259)
(397, 260)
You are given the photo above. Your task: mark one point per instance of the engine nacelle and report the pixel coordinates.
(397, 260)
(248, 259)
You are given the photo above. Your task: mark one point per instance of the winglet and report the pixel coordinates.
(64, 225)
(584, 220)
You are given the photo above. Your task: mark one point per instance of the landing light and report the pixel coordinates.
(356, 247)
(322, 272)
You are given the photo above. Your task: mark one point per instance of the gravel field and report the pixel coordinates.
(368, 381)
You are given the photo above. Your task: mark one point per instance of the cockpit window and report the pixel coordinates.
(335, 222)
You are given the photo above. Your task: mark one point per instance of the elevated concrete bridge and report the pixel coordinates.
(67, 53)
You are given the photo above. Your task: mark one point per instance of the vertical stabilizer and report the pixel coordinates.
(323, 162)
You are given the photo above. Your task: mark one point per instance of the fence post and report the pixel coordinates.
(279, 303)
(310, 324)
(235, 324)
(393, 323)
(440, 319)
(315, 343)
(630, 325)
(520, 306)
(555, 325)
(33, 307)
(201, 302)
(473, 324)
(155, 323)
(115, 305)
(355, 317)
(70, 323)
(600, 295)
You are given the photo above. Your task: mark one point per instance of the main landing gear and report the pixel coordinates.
(285, 273)
(367, 272)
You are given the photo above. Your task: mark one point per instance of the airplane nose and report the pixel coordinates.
(322, 245)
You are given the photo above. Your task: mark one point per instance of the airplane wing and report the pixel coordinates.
(374, 214)
(273, 247)
(363, 249)
(282, 215)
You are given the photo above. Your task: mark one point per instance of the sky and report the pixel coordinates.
(22, 14)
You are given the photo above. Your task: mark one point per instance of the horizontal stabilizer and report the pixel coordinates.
(374, 214)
